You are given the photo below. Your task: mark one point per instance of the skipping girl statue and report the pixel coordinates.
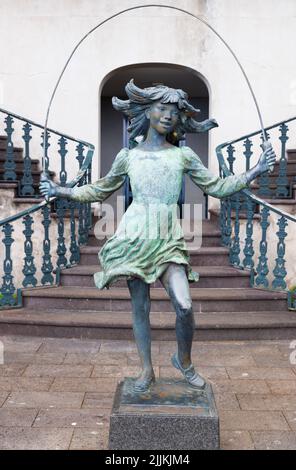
(161, 116)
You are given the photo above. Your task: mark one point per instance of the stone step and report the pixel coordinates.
(291, 166)
(19, 174)
(20, 164)
(209, 238)
(274, 175)
(118, 299)
(17, 199)
(255, 189)
(67, 215)
(215, 214)
(118, 325)
(27, 200)
(255, 185)
(210, 276)
(8, 185)
(23, 199)
(208, 225)
(17, 151)
(3, 140)
(288, 205)
(204, 256)
(291, 155)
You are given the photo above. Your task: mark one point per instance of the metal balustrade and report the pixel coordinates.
(277, 185)
(263, 253)
(21, 146)
(79, 215)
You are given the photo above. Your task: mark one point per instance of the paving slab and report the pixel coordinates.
(21, 438)
(16, 339)
(70, 384)
(69, 345)
(272, 440)
(53, 390)
(157, 359)
(3, 397)
(63, 370)
(115, 359)
(12, 370)
(123, 347)
(222, 359)
(267, 402)
(90, 439)
(226, 401)
(17, 417)
(284, 387)
(21, 345)
(236, 440)
(291, 419)
(76, 418)
(270, 373)
(45, 399)
(253, 420)
(33, 358)
(271, 360)
(118, 371)
(240, 386)
(98, 400)
(25, 383)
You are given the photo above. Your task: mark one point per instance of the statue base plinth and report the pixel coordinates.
(171, 416)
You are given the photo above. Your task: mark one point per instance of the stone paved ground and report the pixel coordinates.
(57, 393)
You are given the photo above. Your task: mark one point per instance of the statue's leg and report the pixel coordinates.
(140, 298)
(175, 281)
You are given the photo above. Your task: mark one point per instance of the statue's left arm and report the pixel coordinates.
(223, 187)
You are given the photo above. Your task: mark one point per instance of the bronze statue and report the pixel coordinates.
(161, 116)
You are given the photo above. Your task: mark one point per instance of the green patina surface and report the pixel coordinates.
(149, 235)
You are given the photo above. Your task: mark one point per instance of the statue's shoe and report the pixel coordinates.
(143, 385)
(192, 377)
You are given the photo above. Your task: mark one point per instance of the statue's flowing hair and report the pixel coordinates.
(141, 99)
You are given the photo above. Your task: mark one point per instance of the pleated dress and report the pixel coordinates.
(149, 235)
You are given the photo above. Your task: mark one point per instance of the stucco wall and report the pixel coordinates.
(36, 38)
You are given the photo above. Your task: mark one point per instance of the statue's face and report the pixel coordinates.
(163, 117)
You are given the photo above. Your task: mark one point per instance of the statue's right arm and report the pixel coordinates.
(93, 192)
(50, 189)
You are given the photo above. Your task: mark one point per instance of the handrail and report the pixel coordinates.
(248, 193)
(230, 142)
(71, 184)
(29, 121)
(41, 268)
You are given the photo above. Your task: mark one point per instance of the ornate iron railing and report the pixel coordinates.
(21, 139)
(274, 185)
(254, 230)
(33, 227)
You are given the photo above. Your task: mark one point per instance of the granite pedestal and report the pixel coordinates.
(172, 416)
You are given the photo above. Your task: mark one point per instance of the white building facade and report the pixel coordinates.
(38, 36)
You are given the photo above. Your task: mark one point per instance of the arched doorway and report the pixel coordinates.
(145, 75)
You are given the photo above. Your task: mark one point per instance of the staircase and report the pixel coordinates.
(225, 305)
(15, 184)
(228, 303)
(286, 203)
